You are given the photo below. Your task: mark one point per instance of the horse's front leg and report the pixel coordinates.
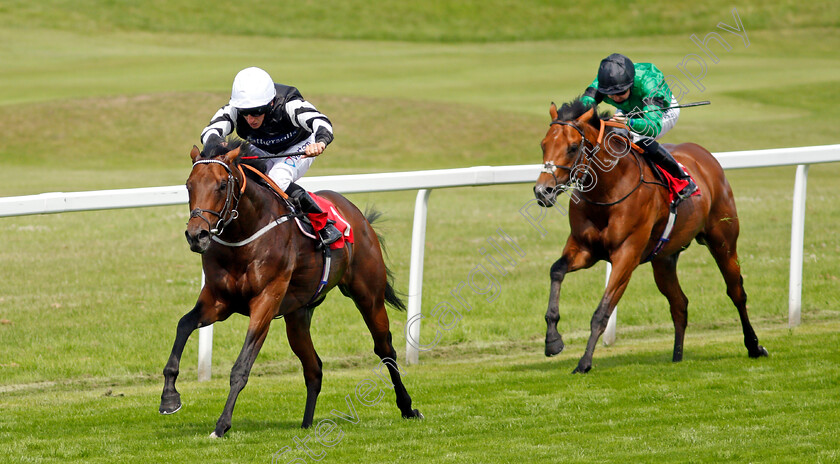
(262, 311)
(574, 257)
(205, 312)
(624, 261)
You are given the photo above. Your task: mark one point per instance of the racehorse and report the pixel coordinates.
(618, 213)
(256, 264)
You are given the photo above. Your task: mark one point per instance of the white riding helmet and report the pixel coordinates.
(252, 88)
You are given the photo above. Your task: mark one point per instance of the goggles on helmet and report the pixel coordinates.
(254, 112)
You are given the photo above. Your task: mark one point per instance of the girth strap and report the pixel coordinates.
(324, 277)
(666, 234)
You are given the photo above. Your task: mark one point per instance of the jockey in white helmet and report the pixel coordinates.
(276, 119)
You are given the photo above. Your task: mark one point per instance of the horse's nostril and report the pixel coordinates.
(542, 192)
(203, 234)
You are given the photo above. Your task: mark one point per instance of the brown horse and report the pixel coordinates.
(618, 213)
(256, 264)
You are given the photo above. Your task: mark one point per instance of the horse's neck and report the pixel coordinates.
(257, 207)
(617, 173)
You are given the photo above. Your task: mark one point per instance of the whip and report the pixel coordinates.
(687, 105)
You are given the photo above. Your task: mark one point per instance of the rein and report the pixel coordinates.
(575, 183)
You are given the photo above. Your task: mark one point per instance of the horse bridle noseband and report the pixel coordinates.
(231, 201)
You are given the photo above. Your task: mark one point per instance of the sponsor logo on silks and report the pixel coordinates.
(271, 141)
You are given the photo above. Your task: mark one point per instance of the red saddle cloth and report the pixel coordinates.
(331, 214)
(676, 185)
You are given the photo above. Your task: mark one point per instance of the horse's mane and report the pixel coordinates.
(215, 147)
(576, 108)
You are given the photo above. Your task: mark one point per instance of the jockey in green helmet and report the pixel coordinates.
(632, 89)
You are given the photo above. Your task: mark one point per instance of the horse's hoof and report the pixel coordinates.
(759, 352)
(414, 414)
(581, 369)
(554, 347)
(167, 411)
(170, 405)
(213, 434)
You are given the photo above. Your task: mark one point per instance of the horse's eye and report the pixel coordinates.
(573, 148)
(222, 186)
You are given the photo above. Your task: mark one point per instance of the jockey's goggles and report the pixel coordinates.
(254, 112)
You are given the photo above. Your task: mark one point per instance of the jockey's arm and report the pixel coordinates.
(304, 114)
(591, 96)
(656, 98)
(648, 124)
(221, 125)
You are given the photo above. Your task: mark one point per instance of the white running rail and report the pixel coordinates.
(424, 182)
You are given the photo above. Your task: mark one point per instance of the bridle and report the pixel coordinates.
(231, 201)
(574, 182)
(577, 182)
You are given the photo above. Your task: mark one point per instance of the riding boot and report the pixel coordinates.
(659, 155)
(326, 228)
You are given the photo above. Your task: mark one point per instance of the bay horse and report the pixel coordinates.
(257, 264)
(618, 213)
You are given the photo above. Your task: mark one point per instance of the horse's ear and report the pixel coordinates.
(587, 116)
(231, 156)
(553, 111)
(195, 153)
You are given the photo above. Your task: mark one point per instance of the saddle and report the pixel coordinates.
(306, 228)
(301, 219)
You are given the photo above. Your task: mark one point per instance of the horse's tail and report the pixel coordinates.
(391, 296)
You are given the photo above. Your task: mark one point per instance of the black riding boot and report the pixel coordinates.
(659, 155)
(329, 234)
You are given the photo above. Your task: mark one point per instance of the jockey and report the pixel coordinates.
(633, 88)
(275, 119)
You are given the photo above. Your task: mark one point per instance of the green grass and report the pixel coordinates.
(101, 95)
(437, 20)
(493, 404)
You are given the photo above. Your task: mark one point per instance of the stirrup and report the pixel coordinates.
(688, 190)
(329, 234)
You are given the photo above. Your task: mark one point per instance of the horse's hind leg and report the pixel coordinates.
(369, 295)
(297, 330)
(665, 275)
(721, 242)
(203, 313)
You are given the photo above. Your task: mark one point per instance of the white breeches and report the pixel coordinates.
(284, 171)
